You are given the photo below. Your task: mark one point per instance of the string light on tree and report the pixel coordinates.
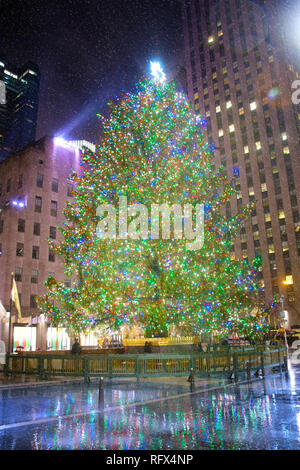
(153, 151)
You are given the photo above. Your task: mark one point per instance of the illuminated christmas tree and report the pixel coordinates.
(153, 153)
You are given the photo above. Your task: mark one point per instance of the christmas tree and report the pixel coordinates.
(153, 156)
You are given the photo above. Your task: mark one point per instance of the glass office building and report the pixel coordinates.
(18, 106)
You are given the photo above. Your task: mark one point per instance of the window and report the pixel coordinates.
(70, 190)
(20, 181)
(20, 249)
(8, 185)
(53, 210)
(0, 189)
(52, 232)
(21, 225)
(55, 185)
(33, 301)
(1, 226)
(18, 274)
(51, 256)
(36, 228)
(39, 180)
(35, 252)
(34, 276)
(38, 204)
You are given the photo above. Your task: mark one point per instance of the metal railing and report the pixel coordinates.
(160, 341)
(218, 363)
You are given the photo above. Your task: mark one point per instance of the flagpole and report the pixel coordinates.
(10, 316)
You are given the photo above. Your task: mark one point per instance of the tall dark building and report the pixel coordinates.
(18, 106)
(241, 66)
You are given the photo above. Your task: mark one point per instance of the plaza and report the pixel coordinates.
(155, 414)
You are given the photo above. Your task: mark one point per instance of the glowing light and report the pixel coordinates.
(273, 93)
(157, 72)
(18, 203)
(288, 281)
(58, 140)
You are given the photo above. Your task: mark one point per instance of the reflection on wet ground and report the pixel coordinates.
(154, 415)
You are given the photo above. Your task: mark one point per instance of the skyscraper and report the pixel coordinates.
(18, 106)
(240, 71)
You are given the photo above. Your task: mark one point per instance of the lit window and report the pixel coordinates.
(228, 104)
(210, 40)
(258, 145)
(220, 33)
(246, 149)
(263, 187)
(251, 191)
(284, 136)
(218, 109)
(288, 280)
(281, 215)
(286, 150)
(231, 128)
(267, 217)
(241, 111)
(221, 132)
(253, 106)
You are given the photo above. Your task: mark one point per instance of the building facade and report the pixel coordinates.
(240, 72)
(34, 189)
(18, 106)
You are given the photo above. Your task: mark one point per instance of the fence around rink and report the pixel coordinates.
(242, 363)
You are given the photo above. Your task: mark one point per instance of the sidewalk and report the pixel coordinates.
(23, 380)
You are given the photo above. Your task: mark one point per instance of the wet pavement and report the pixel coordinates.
(158, 414)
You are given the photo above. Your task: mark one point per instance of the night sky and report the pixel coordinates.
(88, 51)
